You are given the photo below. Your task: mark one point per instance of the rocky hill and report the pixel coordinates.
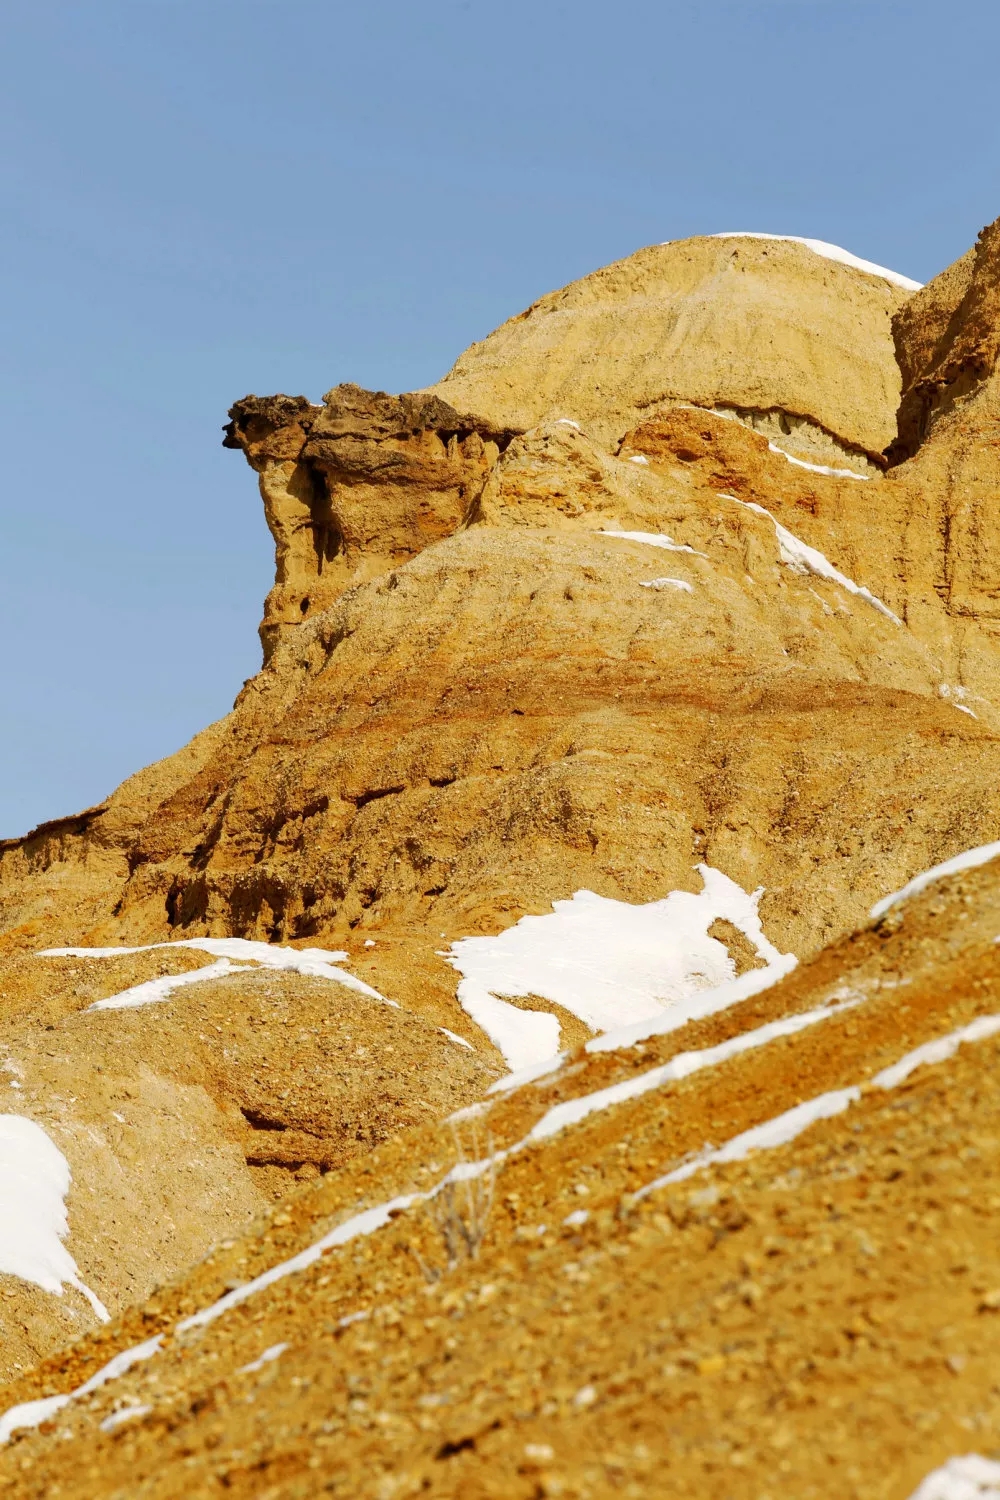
(492, 1060)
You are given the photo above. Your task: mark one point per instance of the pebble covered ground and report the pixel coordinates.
(822, 1317)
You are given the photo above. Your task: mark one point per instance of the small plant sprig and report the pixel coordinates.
(460, 1210)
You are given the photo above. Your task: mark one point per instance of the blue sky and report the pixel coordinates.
(206, 199)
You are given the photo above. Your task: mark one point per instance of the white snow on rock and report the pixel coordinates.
(785, 1127)
(981, 855)
(653, 539)
(776, 1132)
(33, 1413)
(155, 990)
(954, 696)
(454, 1037)
(124, 1414)
(668, 583)
(936, 1051)
(828, 252)
(534, 1073)
(817, 468)
(34, 1181)
(802, 558)
(682, 1066)
(319, 963)
(970, 1477)
(609, 963)
(269, 1355)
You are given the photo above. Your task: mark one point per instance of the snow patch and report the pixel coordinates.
(454, 1037)
(124, 1414)
(817, 468)
(269, 1355)
(33, 1413)
(937, 1051)
(653, 539)
(707, 1003)
(954, 696)
(777, 1132)
(971, 1477)
(34, 1181)
(784, 1128)
(667, 583)
(981, 855)
(610, 964)
(828, 252)
(362, 1223)
(804, 559)
(682, 1066)
(315, 962)
(533, 1073)
(156, 990)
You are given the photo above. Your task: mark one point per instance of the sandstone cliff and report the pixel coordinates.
(351, 487)
(629, 605)
(794, 343)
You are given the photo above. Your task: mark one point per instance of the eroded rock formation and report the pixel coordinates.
(351, 487)
(575, 619)
(791, 341)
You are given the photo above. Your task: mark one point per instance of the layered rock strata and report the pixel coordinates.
(596, 632)
(769, 329)
(353, 486)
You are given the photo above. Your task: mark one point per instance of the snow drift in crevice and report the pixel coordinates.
(611, 964)
(34, 1181)
(828, 252)
(802, 558)
(316, 962)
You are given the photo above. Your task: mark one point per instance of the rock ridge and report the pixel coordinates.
(625, 636)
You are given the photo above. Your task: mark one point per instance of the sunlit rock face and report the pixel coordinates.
(608, 686)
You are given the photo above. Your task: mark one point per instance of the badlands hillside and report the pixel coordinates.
(544, 1040)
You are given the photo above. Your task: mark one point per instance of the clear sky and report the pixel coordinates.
(203, 198)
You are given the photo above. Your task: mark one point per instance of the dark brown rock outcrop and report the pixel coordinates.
(354, 486)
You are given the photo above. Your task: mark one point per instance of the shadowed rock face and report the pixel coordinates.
(355, 486)
(947, 341)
